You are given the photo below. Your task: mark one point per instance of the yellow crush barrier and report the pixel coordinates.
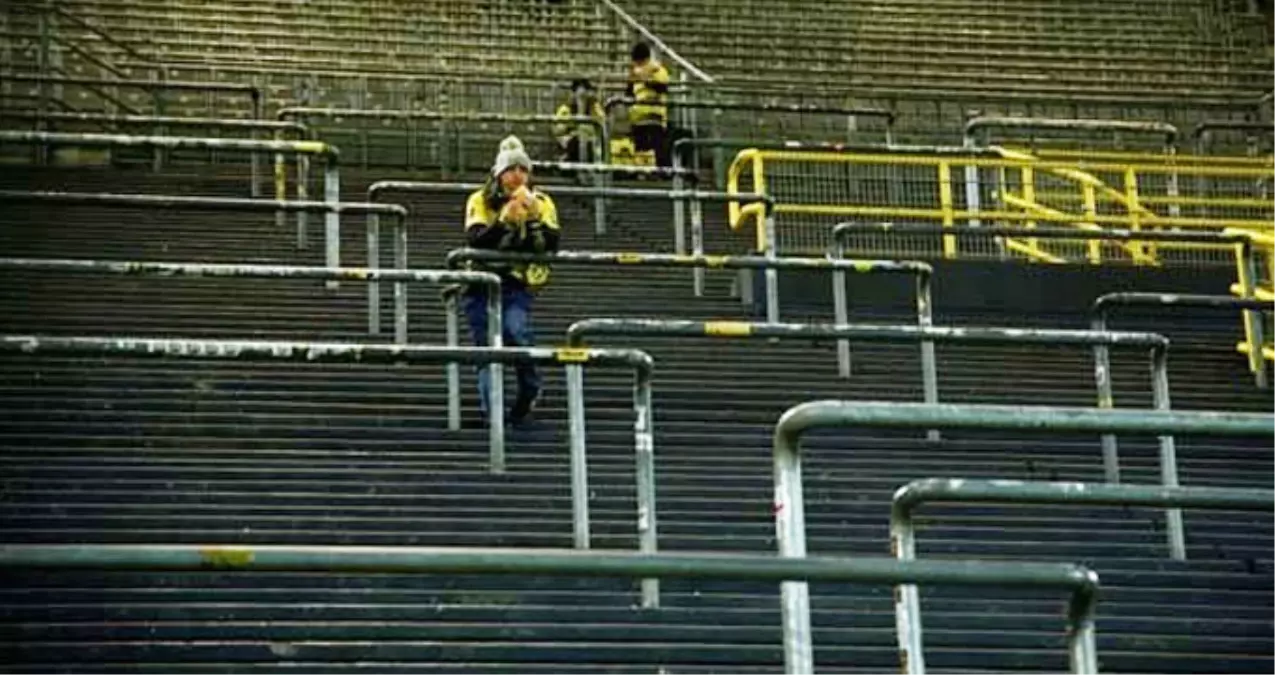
(813, 190)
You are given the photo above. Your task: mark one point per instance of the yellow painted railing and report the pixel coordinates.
(1081, 190)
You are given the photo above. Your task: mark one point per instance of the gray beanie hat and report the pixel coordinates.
(511, 154)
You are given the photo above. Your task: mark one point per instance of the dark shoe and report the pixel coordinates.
(523, 408)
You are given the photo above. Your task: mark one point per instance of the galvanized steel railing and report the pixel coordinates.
(639, 362)
(789, 506)
(966, 491)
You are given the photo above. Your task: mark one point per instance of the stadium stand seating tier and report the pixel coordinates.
(116, 449)
(181, 450)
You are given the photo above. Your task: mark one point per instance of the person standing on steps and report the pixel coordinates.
(648, 114)
(578, 142)
(508, 214)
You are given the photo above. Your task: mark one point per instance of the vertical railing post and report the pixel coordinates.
(771, 274)
(644, 446)
(929, 360)
(579, 457)
(840, 307)
(281, 191)
(303, 194)
(1137, 249)
(1168, 451)
(907, 599)
(1102, 380)
(697, 245)
(254, 158)
(1029, 196)
(945, 205)
(374, 285)
(1246, 275)
(1091, 213)
(400, 287)
(450, 301)
(790, 535)
(496, 388)
(332, 219)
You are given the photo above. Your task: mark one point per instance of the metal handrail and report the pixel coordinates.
(1098, 338)
(640, 362)
(372, 275)
(656, 42)
(278, 128)
(255, 94)
(330, 154)
(278, 207)
(304, 113)
(979, 122)
(600, 195)
(789, 505)
(842, 231)
(966, 491)
(107, 37)
(1250, 306)
(1080, 581)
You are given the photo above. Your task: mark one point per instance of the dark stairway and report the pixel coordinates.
(130, 450)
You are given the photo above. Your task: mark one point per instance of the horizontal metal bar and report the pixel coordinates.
(577, 191)
(166, 120)
(808, 146)
(877, 415)
(1230, 125)
(1168, 300)
(657, 43)
(1169, 131)
(361, 113)
(173, 270)
(805, 108)
(336, 352)
(587, 167)
(577, 332)
(170, 142)
(459, 256)
(139, 84)
(843, 230)
(966, 490)
(198, 203)
(547, 562)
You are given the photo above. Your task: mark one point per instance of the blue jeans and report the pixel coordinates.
(515, 311)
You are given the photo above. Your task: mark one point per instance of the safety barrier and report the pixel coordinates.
(922, 272)
(400, 277)
(858, 185)
(255, 96)
(640, 363)
(1158, 344)
(304, 114)
(851, 113)
(966, 491)
(1010, 239)
(279, 208)
(331, 170)
(599, 193)
(789, 505)
(1201, 133)
(1080, 582)
(1250, 307)
(159, 122)
(976, 126)
(696, 198)
(1021, 240)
